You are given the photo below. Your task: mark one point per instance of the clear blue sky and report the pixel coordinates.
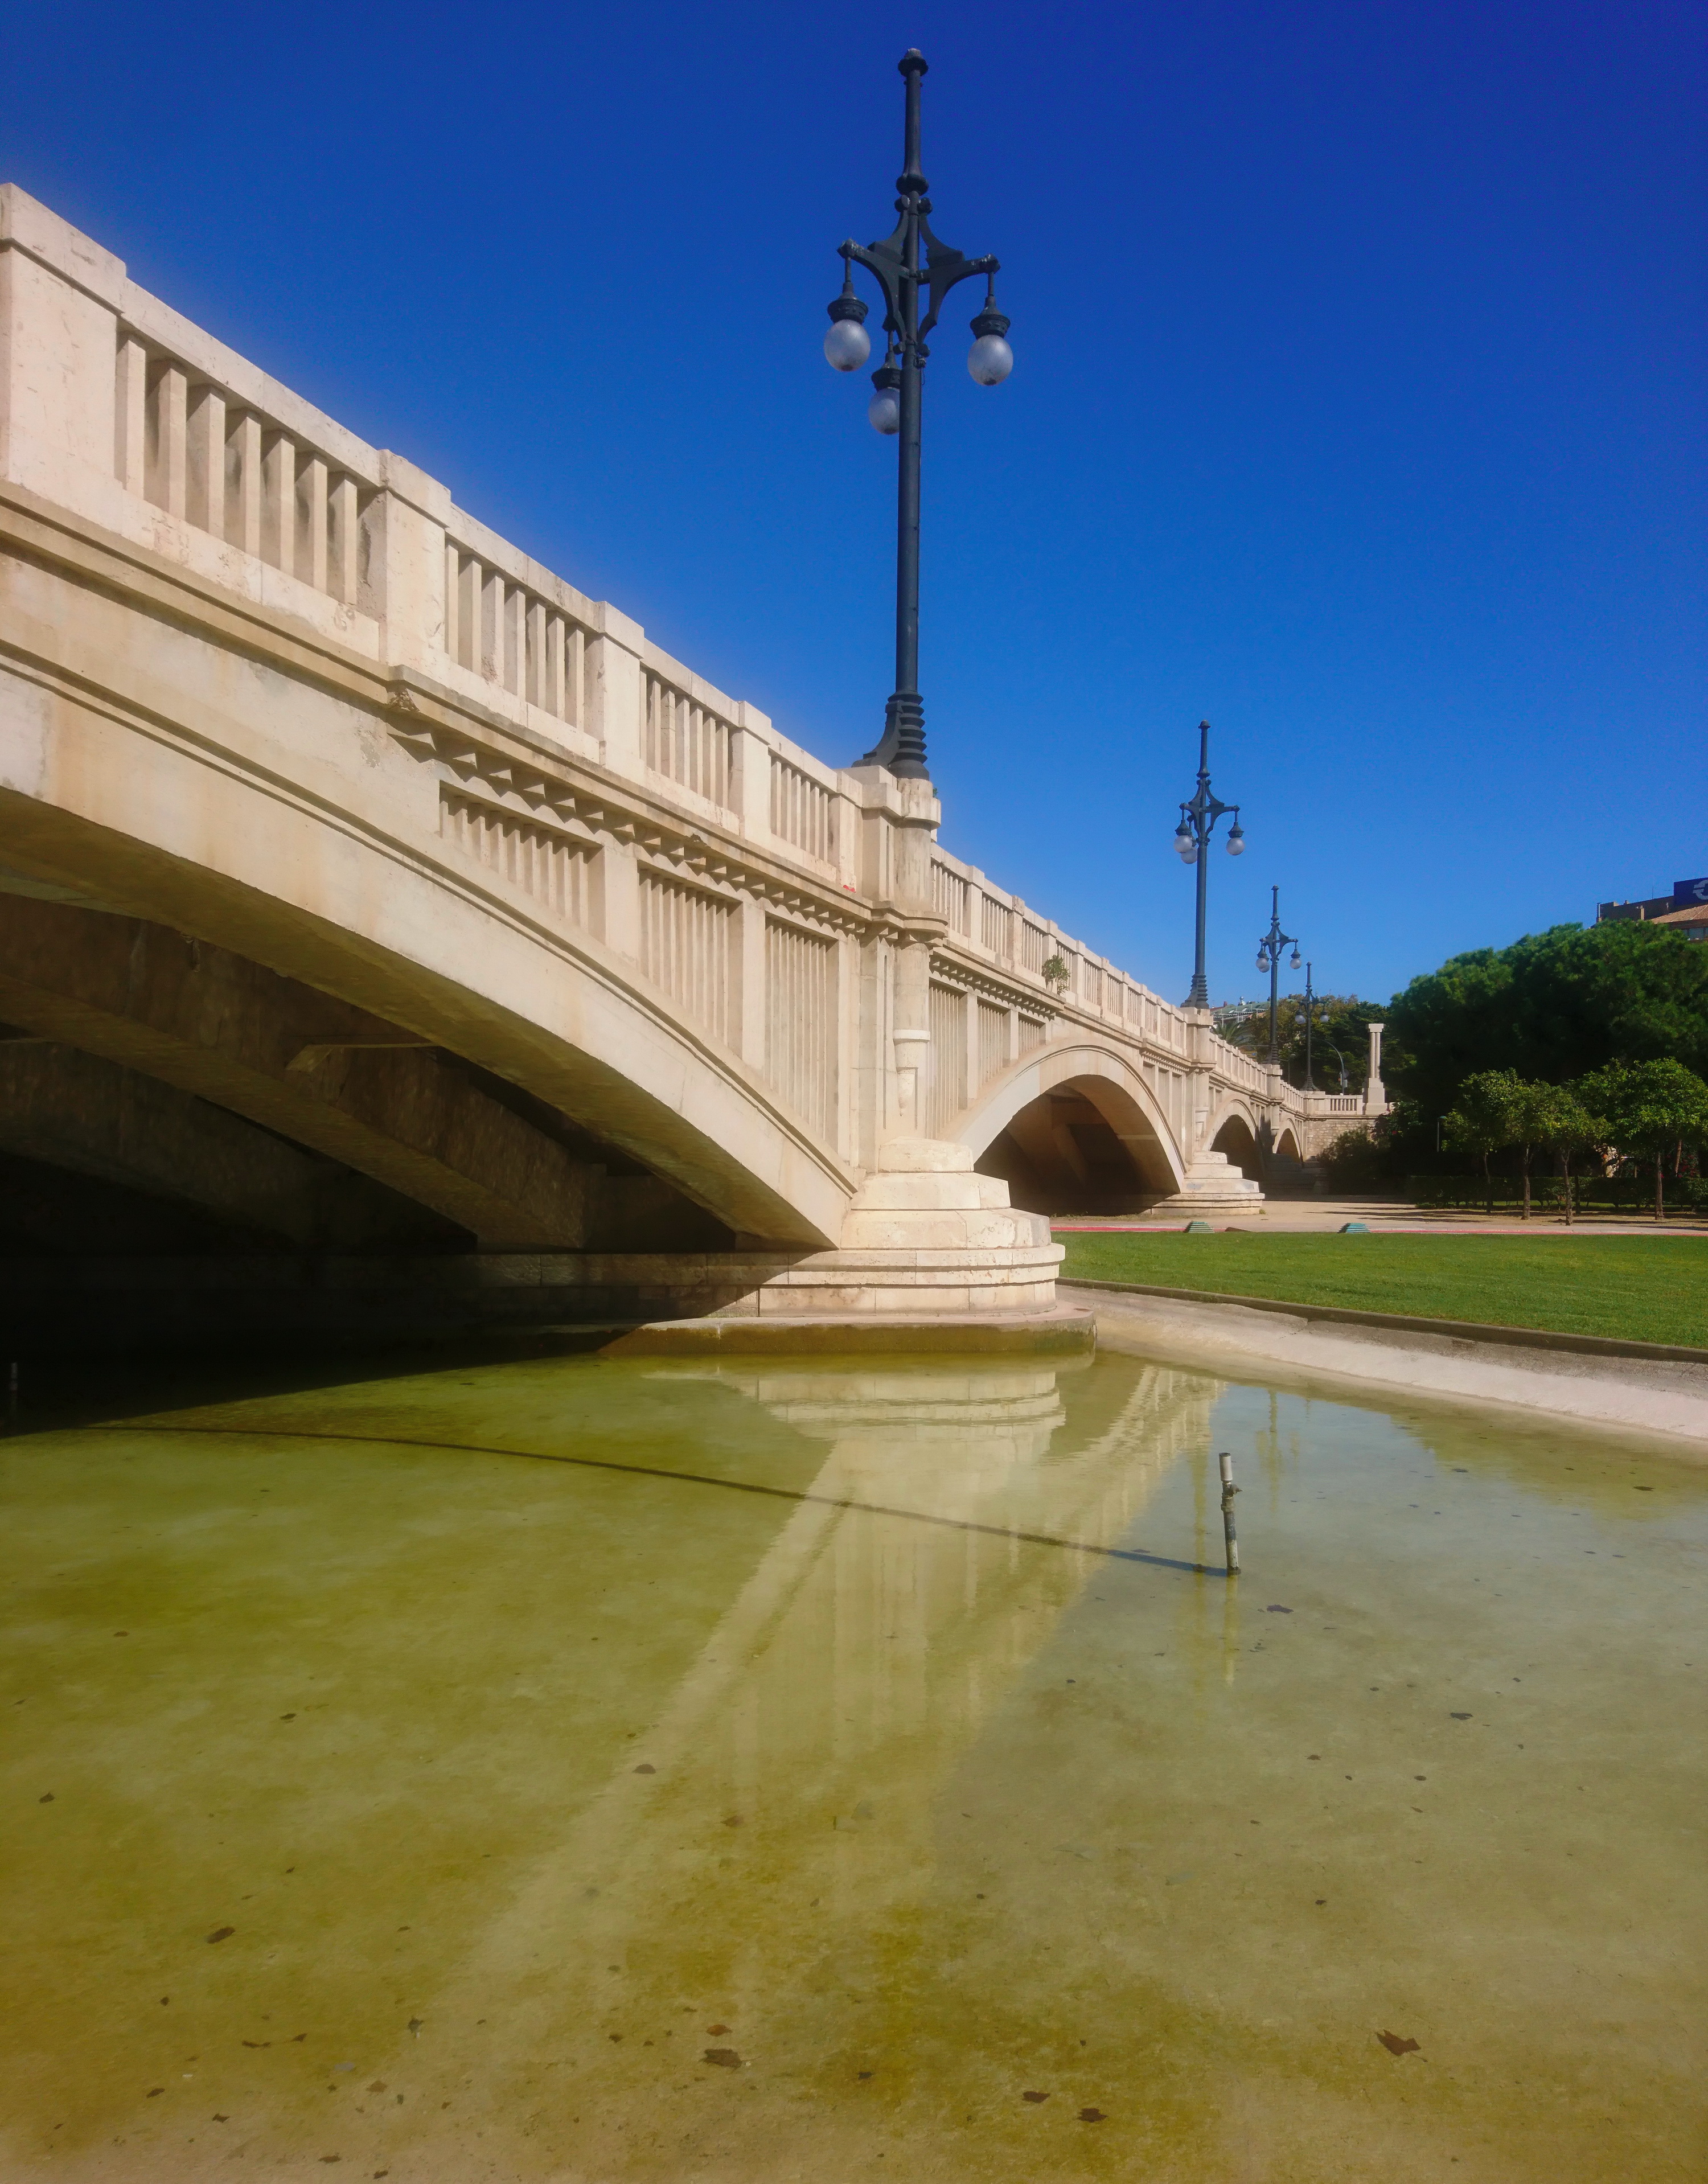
(1357, 406)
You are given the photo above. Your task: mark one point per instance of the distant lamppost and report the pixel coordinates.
(1269, 947)
(912, 259)
(1191, 839)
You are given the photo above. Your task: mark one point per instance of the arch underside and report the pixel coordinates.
(440, 1072)
(1075, 1128)
(1259, 1144)
(1238, 1134)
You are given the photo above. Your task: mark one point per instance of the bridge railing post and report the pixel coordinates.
(615, 693)
(60, 426)
(401, 572)
(750, 789)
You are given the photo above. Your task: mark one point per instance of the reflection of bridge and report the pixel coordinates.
(956, 1525)
(367, 889)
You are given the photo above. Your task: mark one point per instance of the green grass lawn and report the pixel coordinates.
(1635, 1287)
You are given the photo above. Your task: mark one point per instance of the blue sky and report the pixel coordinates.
(1357, 403)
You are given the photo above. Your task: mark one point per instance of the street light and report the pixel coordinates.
(1192, 838)
(1269, 947)
(912, 258)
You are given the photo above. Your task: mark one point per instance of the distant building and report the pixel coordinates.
(1686, 909)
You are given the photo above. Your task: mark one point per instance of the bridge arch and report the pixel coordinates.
(391, 920)
(1074, 1127)
(1238, 1131)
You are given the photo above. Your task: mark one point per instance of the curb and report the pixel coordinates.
(1465, 1330)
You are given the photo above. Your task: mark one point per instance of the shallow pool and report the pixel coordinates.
(586, 1770)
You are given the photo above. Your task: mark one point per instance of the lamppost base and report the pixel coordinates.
(901, 749)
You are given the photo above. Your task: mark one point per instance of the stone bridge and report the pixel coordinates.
(372, 899)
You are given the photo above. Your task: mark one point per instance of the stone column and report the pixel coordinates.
(752, 1010)
(1376, 1093)
(913, 830)
(898, 822)
(1200, 1030)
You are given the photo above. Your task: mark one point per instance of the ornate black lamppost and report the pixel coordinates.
(1192, 838)
(912, 259)
(1269, 947)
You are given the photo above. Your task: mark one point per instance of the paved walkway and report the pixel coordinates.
(1311, 1216)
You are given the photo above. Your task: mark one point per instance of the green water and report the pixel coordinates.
(612, 1771)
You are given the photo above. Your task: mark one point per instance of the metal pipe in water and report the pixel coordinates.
(1228, 1490)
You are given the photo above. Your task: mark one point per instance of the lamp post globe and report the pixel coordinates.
(847, 345)
(912, 268)
(883, 411)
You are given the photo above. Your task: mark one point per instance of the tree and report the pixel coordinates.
(1650, 1108)
(1340, 1023)
(1533, 1106)
(1561, 1121)
(1553, 1006)
(1487, 1116)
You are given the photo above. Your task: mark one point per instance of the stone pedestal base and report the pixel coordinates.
(1212, 1186)
(1063, 1331)
(925, 1236)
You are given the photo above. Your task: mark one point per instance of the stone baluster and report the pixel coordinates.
(131, 396)
(279, 501)
(243, 485)
(311, 521)
(206, 493)
(343, 542)
(167, 458)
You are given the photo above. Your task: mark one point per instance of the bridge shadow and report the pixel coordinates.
(57, 1392)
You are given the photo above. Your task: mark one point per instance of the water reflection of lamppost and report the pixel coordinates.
(1269, 947)
(1191, 839)
(895, 407)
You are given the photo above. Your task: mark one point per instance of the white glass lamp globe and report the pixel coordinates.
(1187, 849)
(883, 411)
(1236, 843)
(990, 359)
(847, 345)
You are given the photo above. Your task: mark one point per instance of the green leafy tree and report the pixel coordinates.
(1534, 1106)
(1561, 1121)
(1339, 1022)
(1487, 1117)
(1650, 1109)
(1553, 1006)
